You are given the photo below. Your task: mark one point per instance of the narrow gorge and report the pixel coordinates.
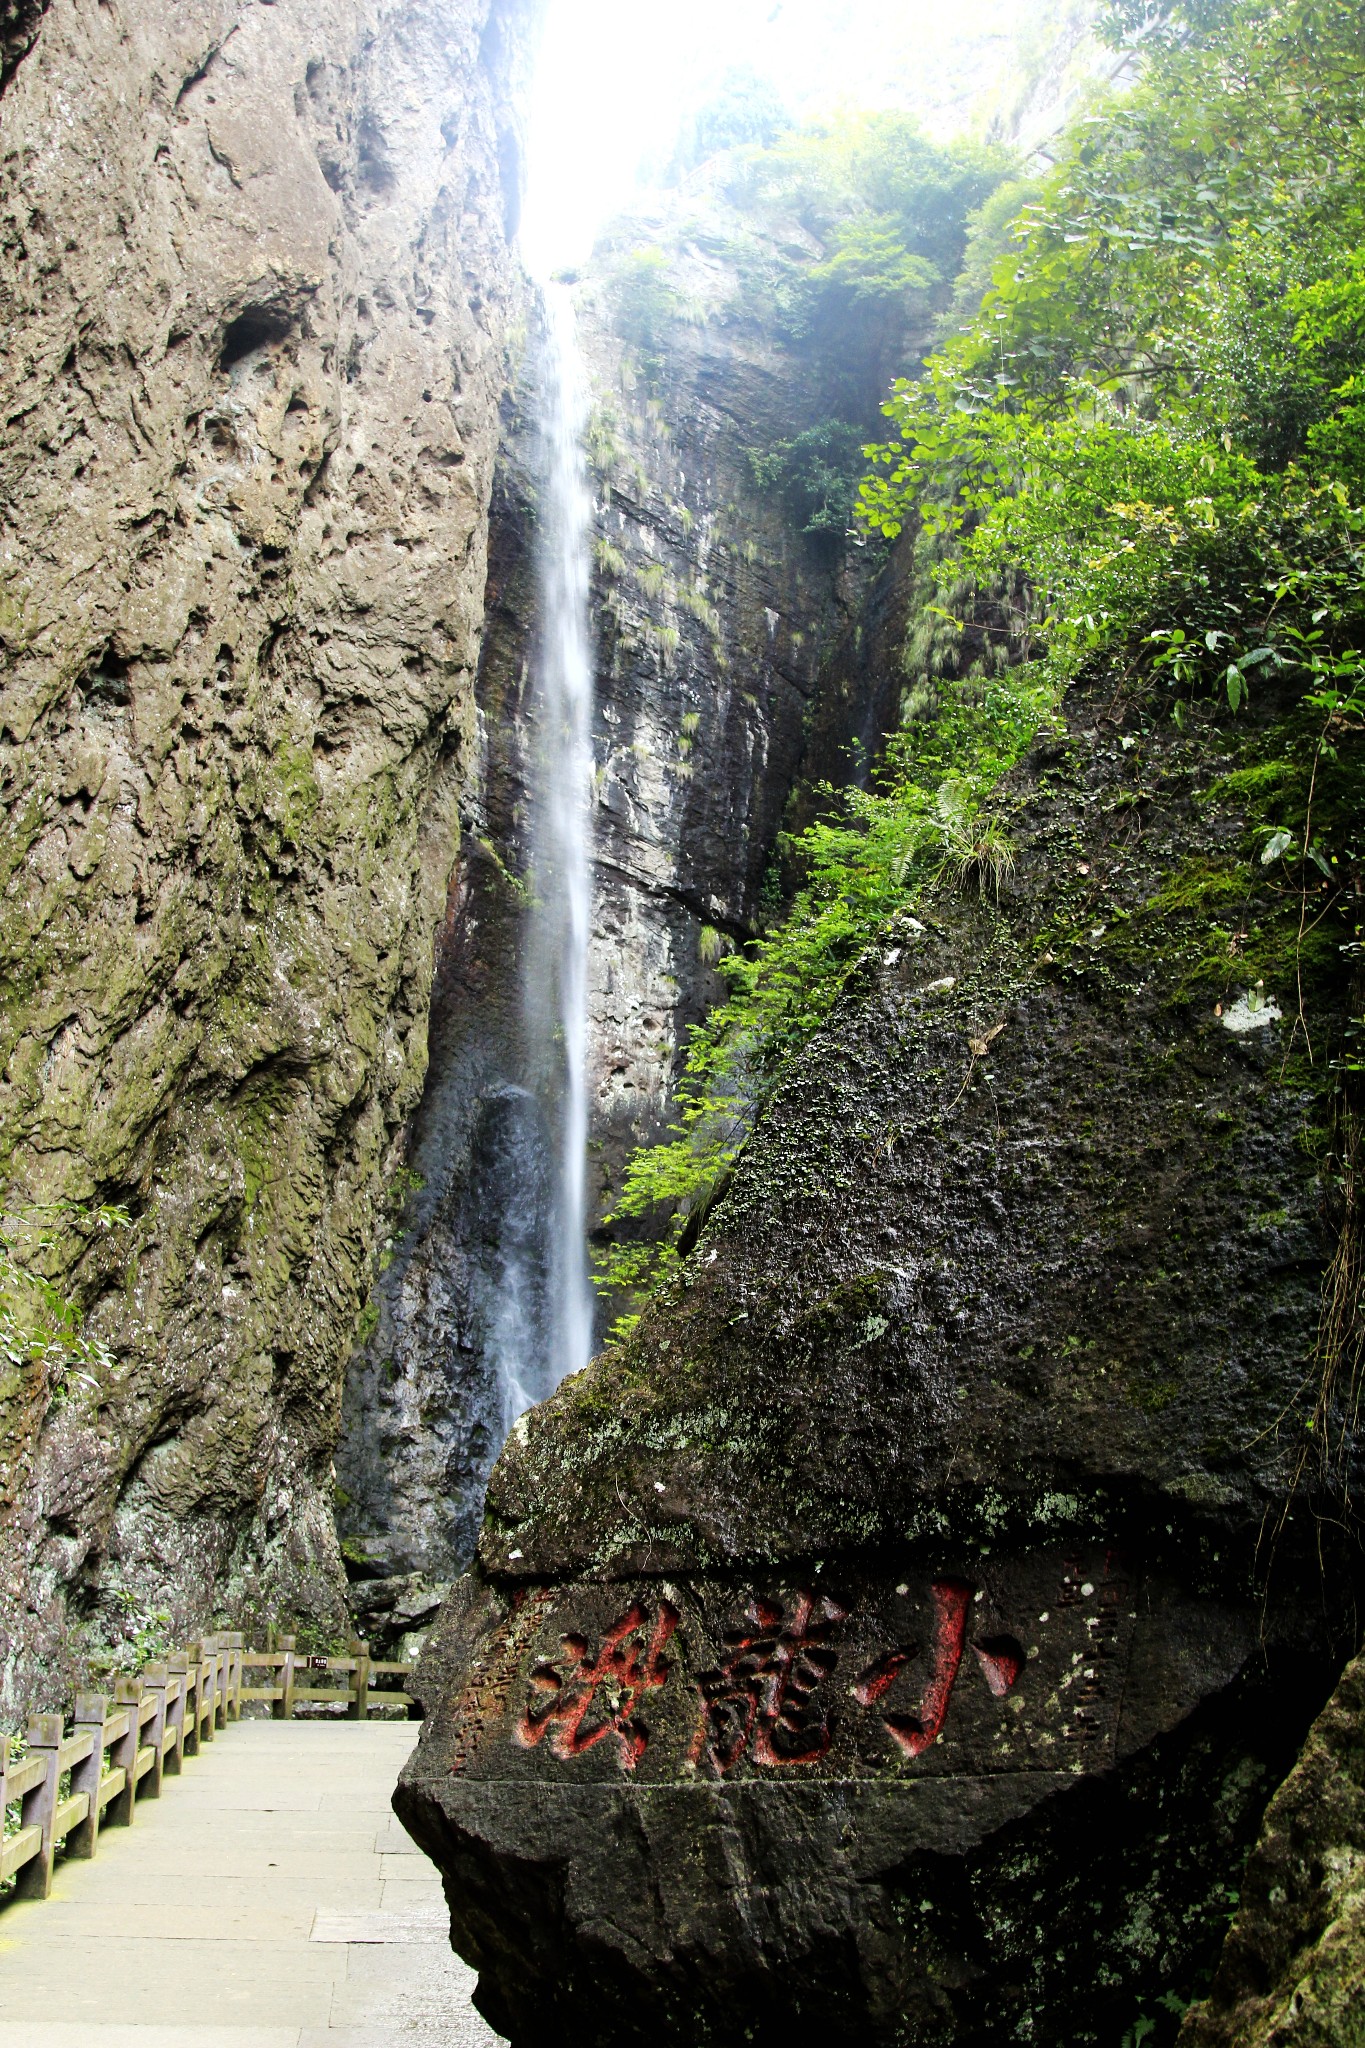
(682, 973)
(738, 659)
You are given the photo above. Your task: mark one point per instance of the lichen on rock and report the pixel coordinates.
(255, 293)
(1293, 1968)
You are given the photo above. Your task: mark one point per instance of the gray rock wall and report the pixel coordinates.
(1293, 1967)
(735, 660)
(254, 290)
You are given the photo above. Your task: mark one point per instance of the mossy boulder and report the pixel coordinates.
(890, 1639)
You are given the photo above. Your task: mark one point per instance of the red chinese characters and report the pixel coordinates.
(591, 1698)
(915, 1732)
(768, 1700)
(760, 1701)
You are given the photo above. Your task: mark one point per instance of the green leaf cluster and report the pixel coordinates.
(816, 476)
(39, 1324)
(1157, 415)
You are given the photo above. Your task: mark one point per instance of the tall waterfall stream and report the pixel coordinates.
(534, 1351)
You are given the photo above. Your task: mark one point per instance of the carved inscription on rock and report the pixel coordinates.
(1019, 1669)
(494, 1672)
(763, 1699)
(587, 1697)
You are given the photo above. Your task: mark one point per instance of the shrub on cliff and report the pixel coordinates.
(1148, 448)
(40, 1326)
(889, 210)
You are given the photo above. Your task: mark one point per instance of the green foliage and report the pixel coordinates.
(130, 1636)
(1156, 414)
(880, 165)
(816, 477)
(990, 237)
(603, 447)
(39, 1324)
(611, 563)
(644, 306)
(744, 109)
(889, 210)
(1147, 448)
(926, 820)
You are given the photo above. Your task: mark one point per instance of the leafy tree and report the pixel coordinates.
(745, 109)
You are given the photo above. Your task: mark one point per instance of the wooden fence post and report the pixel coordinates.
(283, 1707)
(194, 1660)
(156, 1679)
(358, 1708)
(207, 1688)
(34, 1880)
(222, 1676)
(207, 1696)
(92, 1711)
(123, 1753)
(237, 1642)
(179, 1666)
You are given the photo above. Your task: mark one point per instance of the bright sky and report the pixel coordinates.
(617, 77)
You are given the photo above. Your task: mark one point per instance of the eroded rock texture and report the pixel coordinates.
(1292, 1974)
(879, 1644)
(254, 284)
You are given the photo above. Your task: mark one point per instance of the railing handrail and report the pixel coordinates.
(118, 1752)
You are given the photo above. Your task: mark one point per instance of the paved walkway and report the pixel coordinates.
(268, 1899)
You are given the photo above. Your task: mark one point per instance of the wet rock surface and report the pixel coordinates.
(736, 662)
(882, 1639)
(255, 290)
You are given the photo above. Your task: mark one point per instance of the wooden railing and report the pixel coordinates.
(119, 1751)
(358, 1694)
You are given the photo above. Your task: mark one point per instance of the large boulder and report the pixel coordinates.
(903, 1633)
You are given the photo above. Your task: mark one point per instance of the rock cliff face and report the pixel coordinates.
(1293, 1969)
(255, 283)
(736, 658)
(878, 1642)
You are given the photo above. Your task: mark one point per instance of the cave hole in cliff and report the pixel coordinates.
(373, 168)
(105, 683)
(255, 328)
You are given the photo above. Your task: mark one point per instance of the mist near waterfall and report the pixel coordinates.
(543, 1316)
(619, 83)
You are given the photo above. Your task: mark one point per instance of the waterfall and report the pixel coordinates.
(544, 1321)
